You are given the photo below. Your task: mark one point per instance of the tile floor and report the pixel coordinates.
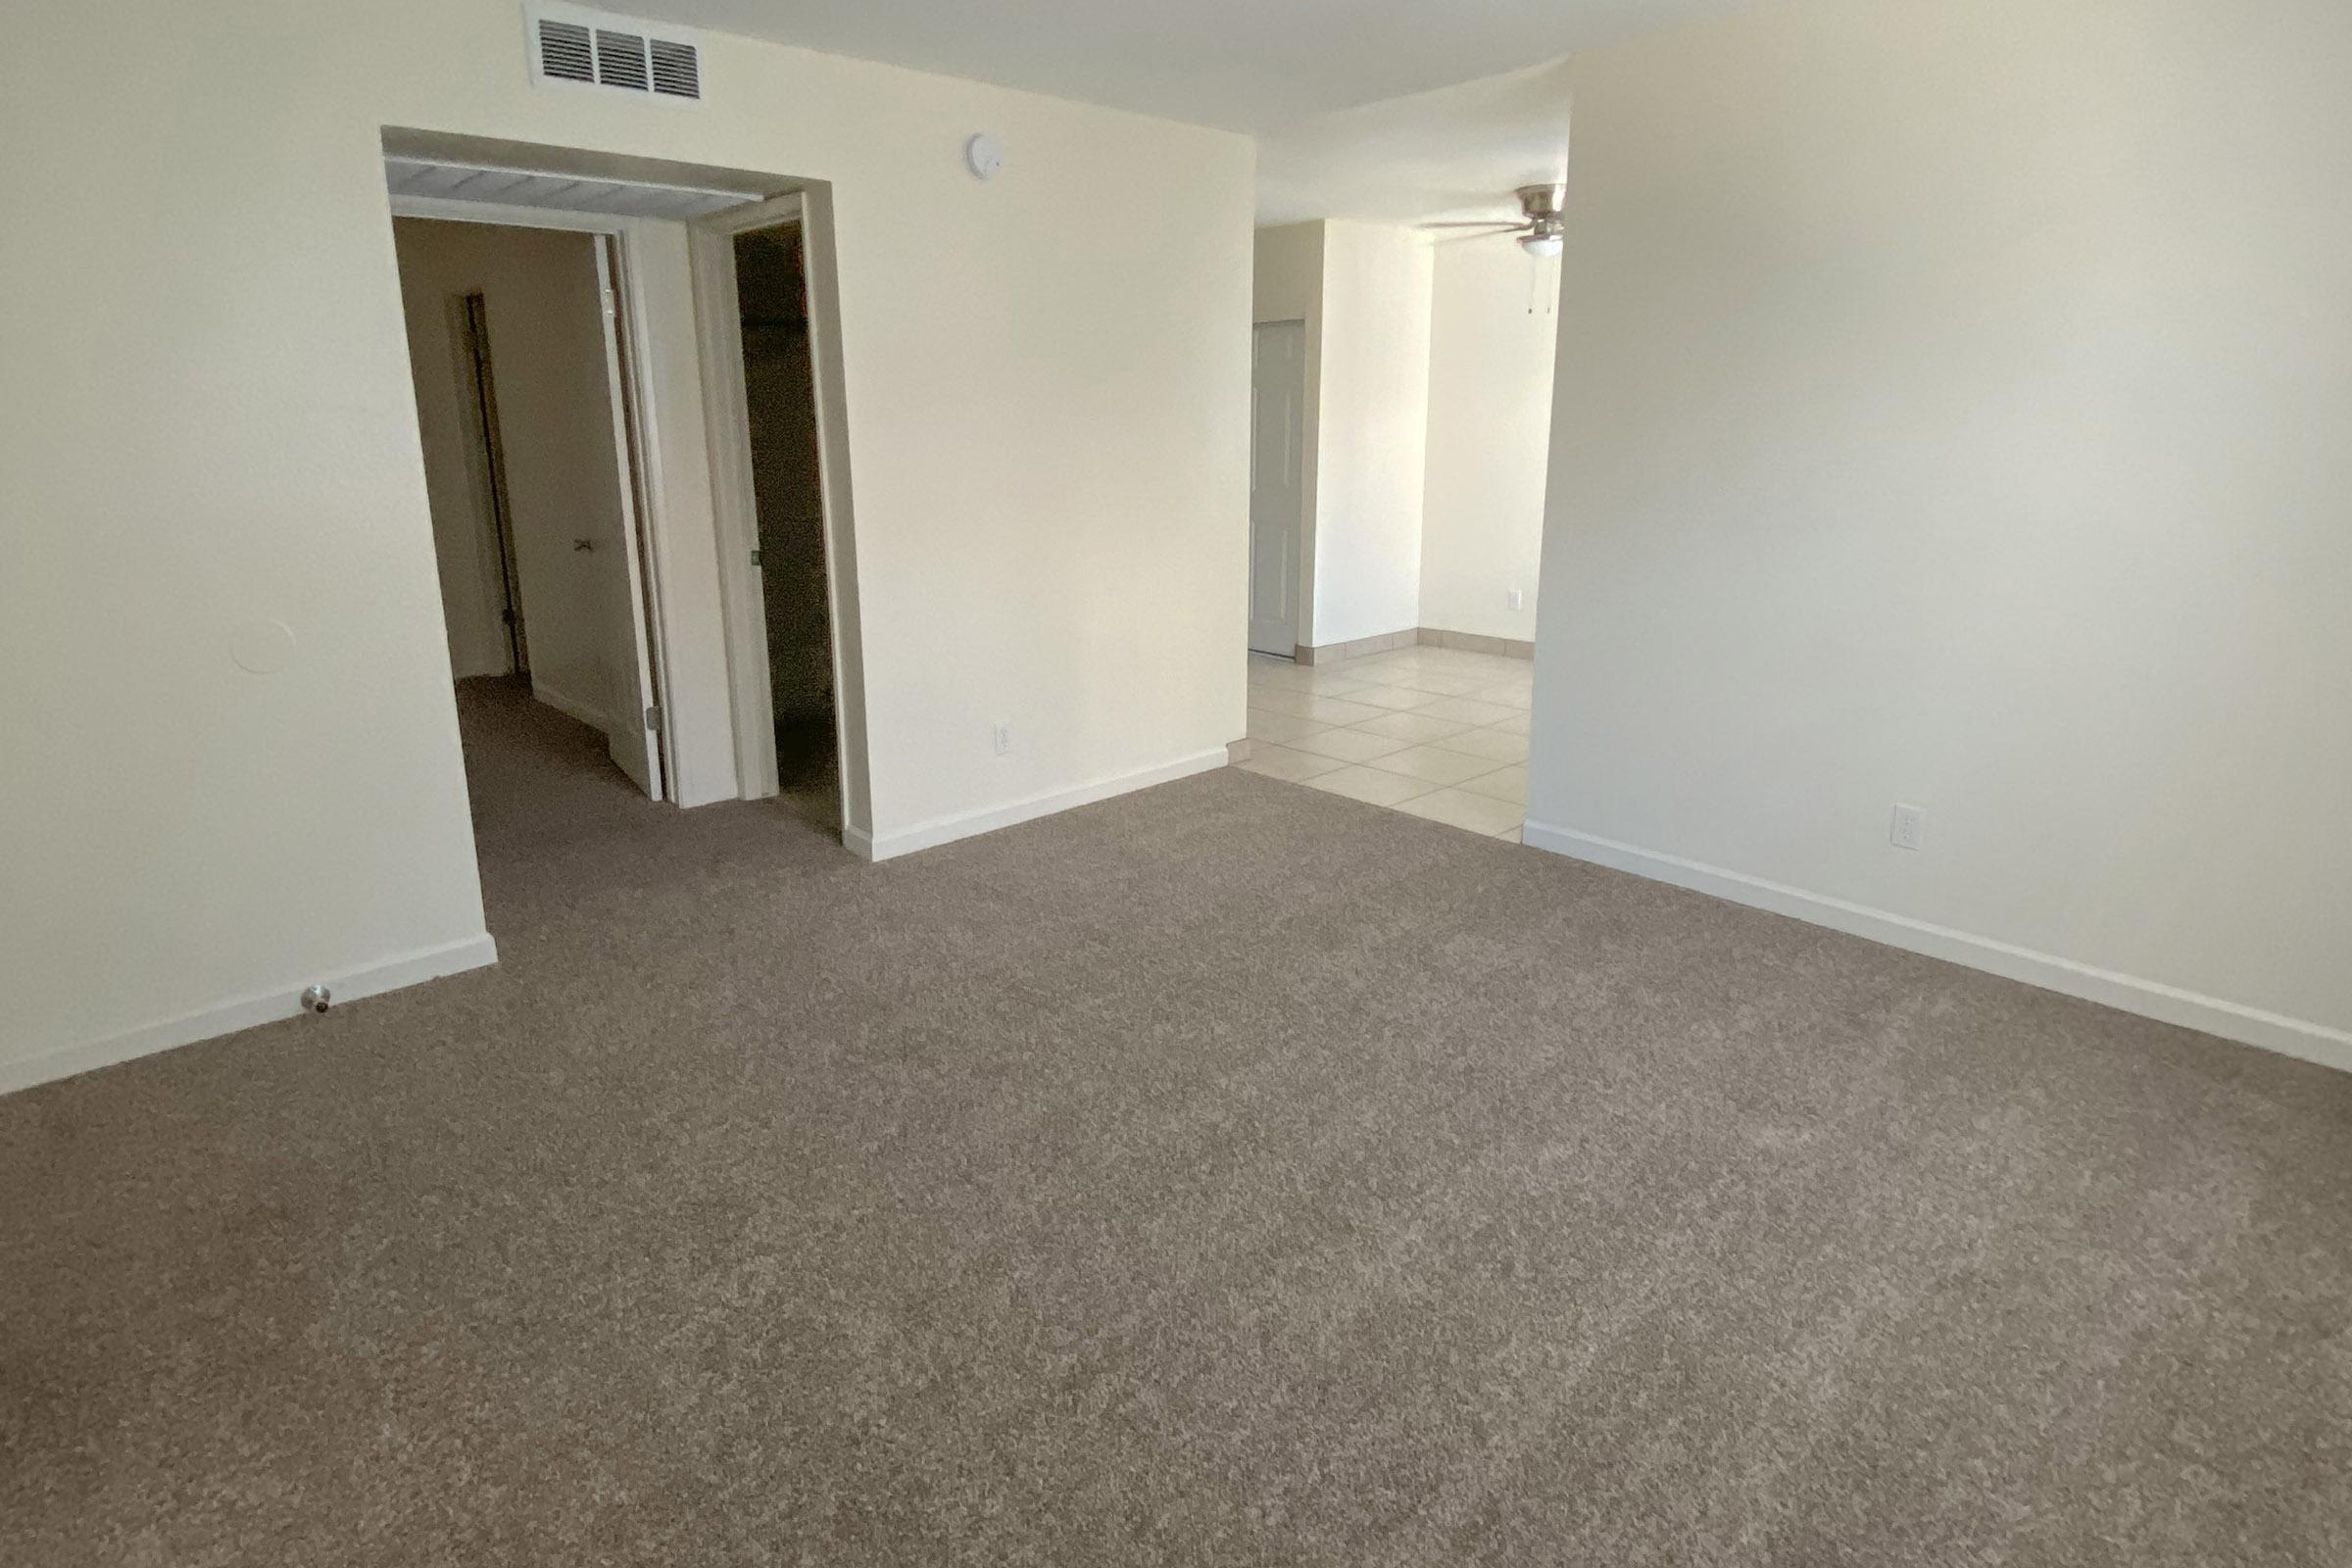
(1433, 731)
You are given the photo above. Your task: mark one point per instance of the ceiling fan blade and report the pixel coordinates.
(1484, 222)
(1464, 239)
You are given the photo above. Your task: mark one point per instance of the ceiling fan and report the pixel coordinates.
(1540, 230)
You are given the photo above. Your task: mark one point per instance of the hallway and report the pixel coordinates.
(546, 799)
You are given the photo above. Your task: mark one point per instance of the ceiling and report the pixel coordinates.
(1246, 65)
(1383, 110)
(1455, 153)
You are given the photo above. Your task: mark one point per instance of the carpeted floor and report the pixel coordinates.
(1229, 1173)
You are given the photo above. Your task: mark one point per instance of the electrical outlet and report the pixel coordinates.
(1517, 599)
(1910, 831)
(1003, 739)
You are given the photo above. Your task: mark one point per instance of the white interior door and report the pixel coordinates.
(1277, 482)
(634, 738)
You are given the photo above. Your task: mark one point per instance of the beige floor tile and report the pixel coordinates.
(1418, 728)
(1407, 678)
(1319, 682)
(1503, 784)
(1469, 711)
(1369, 785)
(1485, 668)
(1513, 835)
(1395, 699)
(1516, 724)
(1506, 695)
(1429, 764)
(1306, 688)
(1280, 762)
(1490, 744)
(1339, 711)
(1282, 728)
(1277, 700)
(1322, 676)
(1463, 810)
(1349, 745)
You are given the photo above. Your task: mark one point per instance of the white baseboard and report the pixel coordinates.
(2150, 999)
(267, 1007)
(946, 829)
(564, 702)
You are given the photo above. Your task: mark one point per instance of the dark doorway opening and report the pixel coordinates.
(771, 289)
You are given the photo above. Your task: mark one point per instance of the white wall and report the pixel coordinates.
(540, 291)
(1951, 409)
(1429, 399)
(1491, 330)
(1371, 431)
(224, 434)
(455, 480)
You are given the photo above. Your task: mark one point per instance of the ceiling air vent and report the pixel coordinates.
(677, 68)
(620, 59)
(563, 51)
(576, 47)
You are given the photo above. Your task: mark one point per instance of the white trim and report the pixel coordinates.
(563, 703)
(244, 1012)
(2150, 999)
(652, 540)
(455, 210)
(946, 830)
(734, 508)
(631, 438)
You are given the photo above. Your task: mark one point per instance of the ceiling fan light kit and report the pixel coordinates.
(1540, 230)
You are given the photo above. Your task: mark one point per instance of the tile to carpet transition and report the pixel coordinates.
(1372, 786)
(1460, 808)
(1435, 767)
(1285, 762)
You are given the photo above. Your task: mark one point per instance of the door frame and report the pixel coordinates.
(710, 245)
(634, 414)
(473, 320)
(1302, 525)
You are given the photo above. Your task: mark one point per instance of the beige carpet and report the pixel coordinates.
(1229, 1173)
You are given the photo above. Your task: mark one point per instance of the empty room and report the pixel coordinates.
(1061, 783)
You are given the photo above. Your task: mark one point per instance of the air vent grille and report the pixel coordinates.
(620, 60)
(677, 69)
(563, 52)
(590, 48)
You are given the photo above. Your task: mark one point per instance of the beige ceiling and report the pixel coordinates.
(1453, 153)
(1247, 65)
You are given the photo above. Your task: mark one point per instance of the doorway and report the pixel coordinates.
(771, 291)
(671, 362)
(534, 476)
(1277, 482)
(769, 431)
